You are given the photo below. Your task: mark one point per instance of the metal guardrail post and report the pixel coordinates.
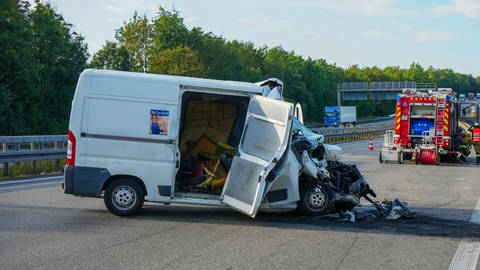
(5, 169)
(34, 162)
(57, 145)
(5, 164)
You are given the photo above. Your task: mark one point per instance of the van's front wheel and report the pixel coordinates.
(124, 197)
(316, 198)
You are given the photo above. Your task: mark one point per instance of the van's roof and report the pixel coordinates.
(183, 81)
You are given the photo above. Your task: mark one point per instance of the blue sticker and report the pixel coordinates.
(159, 112)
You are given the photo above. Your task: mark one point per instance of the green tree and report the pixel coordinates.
(169, 31)
(18, 72)
(181, 60)
(111, 56)
(40, 59)
(135, 37)
(415, 73)
(60, 55)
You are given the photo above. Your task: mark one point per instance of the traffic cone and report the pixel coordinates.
(370, 146)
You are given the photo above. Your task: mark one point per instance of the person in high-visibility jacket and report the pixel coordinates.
(476, 140)
(461, 145)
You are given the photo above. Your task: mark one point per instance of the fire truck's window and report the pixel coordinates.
(424, 110)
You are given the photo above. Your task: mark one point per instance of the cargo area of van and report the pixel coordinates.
(211, 127)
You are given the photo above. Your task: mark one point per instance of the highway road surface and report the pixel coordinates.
(42, 228)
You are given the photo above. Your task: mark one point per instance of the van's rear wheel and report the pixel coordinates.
(316, 198)
(124, 197)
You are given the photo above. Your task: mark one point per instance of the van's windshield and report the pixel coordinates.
(311, 136)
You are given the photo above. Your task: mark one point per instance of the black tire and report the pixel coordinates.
(380, 159)
(316, 198)
(400, 157)
(124, 197)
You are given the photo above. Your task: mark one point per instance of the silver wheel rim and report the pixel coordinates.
(124, 197)
(316, 199)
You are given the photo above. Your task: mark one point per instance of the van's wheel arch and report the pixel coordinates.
(316, 198)
(124, 197)
(116, 177)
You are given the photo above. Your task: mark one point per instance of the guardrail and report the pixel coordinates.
(32, 149)
(354, 136)
(54, 147)
(347, 130)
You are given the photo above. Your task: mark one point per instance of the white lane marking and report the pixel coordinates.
(34, 185)
(466, 257)
(475, 218)
(30, 180)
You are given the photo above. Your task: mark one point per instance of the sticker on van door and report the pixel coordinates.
(159, 122)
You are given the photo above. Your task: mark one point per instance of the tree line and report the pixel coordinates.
(41, 58)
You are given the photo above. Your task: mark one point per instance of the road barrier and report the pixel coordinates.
(54, 147)
(346, 130)
(354, 136)
(32, 149)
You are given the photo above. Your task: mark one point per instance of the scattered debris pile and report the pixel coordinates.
(389, 210)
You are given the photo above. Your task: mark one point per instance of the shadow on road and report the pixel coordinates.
(422, 225)
(68, 219)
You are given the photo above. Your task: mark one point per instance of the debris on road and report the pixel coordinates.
(396, 210)
(389, 210)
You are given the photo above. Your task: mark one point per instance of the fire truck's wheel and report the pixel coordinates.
(400, 157)
(316, 198)
(124, 197)
(380, 158)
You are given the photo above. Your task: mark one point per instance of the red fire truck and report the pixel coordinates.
(425, 124)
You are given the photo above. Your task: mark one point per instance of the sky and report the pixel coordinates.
(438, 33)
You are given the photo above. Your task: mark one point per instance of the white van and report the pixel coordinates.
(169, 139)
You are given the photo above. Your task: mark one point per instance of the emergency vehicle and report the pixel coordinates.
(424, 128)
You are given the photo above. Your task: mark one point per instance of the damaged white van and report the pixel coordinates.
(168, 139)
(135, 137)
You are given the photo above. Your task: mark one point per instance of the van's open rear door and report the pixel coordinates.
(265, 138)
